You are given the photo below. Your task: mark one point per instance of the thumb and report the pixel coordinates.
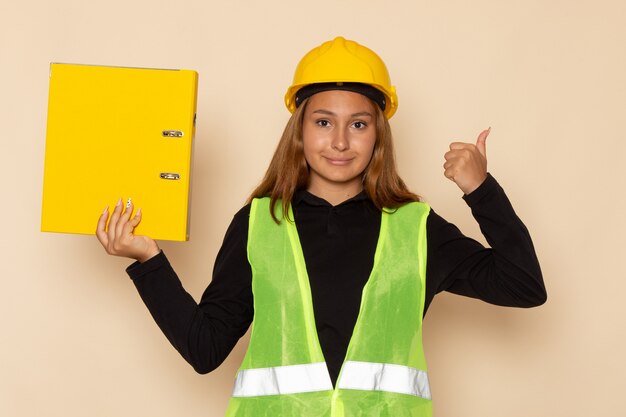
(481, 142)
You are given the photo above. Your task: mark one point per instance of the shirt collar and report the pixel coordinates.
(305, 197)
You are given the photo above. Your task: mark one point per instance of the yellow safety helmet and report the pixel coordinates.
(346, 65)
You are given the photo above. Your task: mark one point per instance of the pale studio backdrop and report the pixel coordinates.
(548, 76)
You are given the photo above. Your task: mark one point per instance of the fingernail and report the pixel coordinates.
(128, 203)
(106, 209)
(138, 212)
(119, 202)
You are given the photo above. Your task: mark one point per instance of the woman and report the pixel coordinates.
(334, 258)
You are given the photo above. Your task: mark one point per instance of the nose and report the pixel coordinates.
(340, 140)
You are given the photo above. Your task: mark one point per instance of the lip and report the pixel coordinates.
(338, 161)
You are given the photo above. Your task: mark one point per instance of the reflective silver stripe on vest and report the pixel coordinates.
(369, 376)
(289, 379)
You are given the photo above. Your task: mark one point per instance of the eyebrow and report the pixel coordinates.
(330, 113)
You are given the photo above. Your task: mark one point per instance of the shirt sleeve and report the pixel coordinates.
(507, 273)
(203, 333)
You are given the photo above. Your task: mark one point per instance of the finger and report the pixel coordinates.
(101, 228)
(481, 142)
(449, 173)
(135, 220)
(114, 219)
(457, 153)
(459, 145)
(132, 223)
(465, 153)
(452, 167)
(121, 224)
(450, 163)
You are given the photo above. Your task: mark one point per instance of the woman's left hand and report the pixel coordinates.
(466, 163)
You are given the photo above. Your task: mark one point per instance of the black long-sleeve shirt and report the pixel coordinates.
(339, 244)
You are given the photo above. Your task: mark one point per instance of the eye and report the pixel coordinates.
(359, 125)
(323, 123)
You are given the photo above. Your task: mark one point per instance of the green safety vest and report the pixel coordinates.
(384, 372)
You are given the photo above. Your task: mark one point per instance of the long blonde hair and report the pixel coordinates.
(288, 171)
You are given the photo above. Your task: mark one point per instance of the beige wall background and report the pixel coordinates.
(548, 76)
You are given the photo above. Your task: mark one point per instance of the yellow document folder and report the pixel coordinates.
(119, 132)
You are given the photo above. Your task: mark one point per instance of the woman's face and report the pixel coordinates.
(339, 133)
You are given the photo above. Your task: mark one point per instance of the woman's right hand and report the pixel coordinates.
(118, 239)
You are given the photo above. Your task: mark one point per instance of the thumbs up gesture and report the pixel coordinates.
(466, 163)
